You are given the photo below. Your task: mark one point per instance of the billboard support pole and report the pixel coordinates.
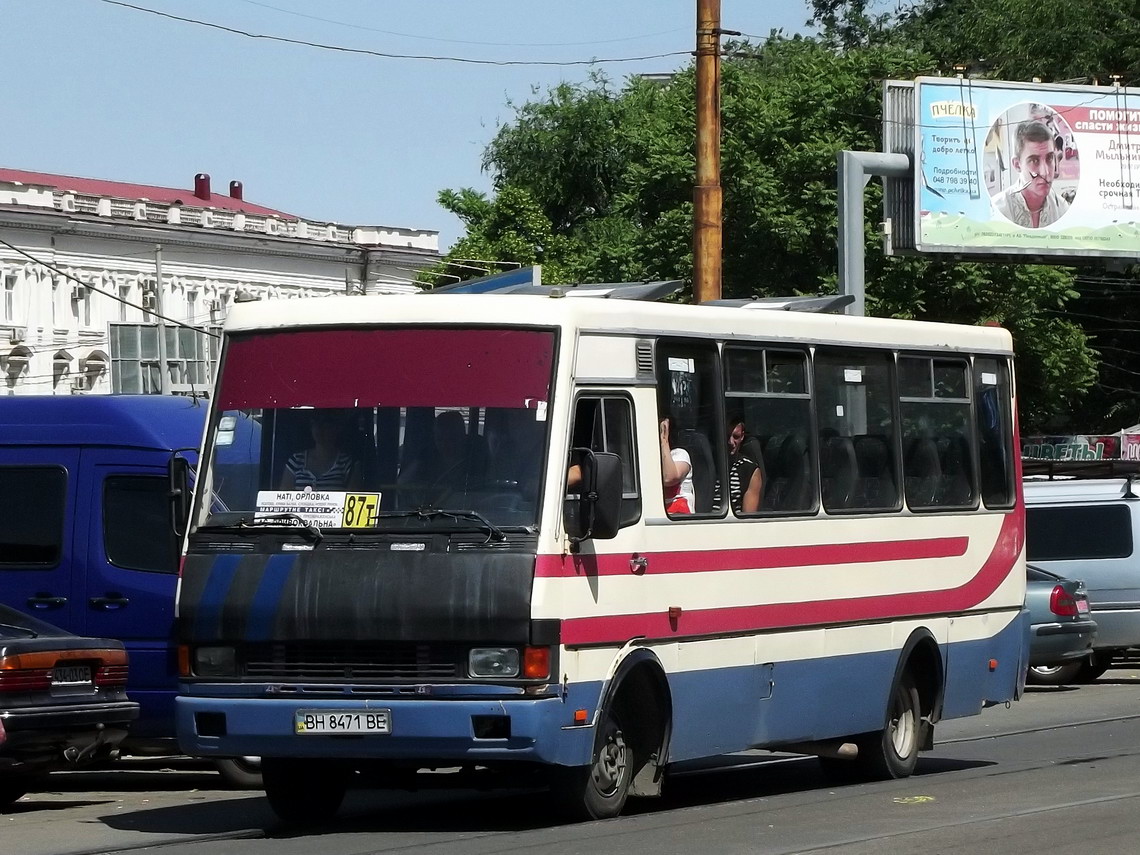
(855, 170)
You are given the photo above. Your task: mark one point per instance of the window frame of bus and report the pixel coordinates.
(1006, 390)
(706, 357)
(933, 398)
(834, 356)
(765, 393)
(631, 499)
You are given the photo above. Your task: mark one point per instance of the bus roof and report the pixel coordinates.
(594, 314)
(163, 422)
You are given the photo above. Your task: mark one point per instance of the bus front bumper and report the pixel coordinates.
(466, 731)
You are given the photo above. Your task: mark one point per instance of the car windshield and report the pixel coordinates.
(375, 429)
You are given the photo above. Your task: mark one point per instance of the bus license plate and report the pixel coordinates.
(71, 675)
(342, 721)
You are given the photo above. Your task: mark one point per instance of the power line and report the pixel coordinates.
(386, 55)
(461, 41)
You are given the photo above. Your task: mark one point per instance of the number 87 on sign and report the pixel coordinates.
(360, 510)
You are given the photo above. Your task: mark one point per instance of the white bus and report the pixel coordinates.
(459, 553)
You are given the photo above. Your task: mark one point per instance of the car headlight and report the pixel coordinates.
(215, 662)
(493, 662)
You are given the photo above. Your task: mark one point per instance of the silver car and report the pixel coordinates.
(1062, 631)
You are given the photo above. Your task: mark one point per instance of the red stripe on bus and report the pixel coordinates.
(762, 558)
(697, 622)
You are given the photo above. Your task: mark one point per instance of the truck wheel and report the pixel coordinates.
(303, 792)
(599, 791)
(240, 773)
(893, 752)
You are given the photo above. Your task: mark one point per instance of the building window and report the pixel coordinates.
(10, 297)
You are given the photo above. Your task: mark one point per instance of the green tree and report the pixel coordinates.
(602, 179)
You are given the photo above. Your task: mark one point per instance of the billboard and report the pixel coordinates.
(1006, 169)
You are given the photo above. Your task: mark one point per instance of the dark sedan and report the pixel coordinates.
(63, 701)
(1062, 632)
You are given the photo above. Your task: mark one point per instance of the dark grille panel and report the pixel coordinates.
(359, 662)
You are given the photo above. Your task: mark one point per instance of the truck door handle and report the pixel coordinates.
(638, 564)
(112, 601)
(44, 600)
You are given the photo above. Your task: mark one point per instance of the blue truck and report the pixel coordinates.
(87, 540)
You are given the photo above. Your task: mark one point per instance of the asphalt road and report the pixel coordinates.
(1057, 772)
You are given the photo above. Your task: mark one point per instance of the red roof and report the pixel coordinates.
(122, 190)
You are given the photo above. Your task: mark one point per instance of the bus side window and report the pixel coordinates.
(606, 424)
(995, 431)
(688, 396)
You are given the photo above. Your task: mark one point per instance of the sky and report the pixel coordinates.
(98, 89)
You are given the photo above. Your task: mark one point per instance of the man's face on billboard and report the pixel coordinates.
(1037, 164)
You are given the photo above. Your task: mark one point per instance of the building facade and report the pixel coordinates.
(88, 267)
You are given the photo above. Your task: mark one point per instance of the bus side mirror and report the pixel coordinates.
(179, 471)
(598, 505)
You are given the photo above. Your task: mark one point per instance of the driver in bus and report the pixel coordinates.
(325, 465)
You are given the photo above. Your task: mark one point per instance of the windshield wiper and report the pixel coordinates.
(292, 522)
(427, 512)
(31, 632)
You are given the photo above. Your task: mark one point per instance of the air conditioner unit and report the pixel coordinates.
(79, 384)
(79, 292)
(18, 334)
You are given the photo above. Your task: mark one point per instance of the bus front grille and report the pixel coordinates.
(354, 662)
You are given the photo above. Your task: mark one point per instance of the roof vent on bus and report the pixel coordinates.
(644, 351)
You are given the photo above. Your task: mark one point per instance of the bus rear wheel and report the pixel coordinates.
(600, 790)
(893, 751)
(303, 792)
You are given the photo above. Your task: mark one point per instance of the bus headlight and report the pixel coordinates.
(493, 662)
(215, 662)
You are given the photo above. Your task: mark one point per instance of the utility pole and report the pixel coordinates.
(707, 197)
(163, 368)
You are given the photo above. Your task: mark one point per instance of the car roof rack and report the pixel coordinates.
(1105, 468)
(830, 304)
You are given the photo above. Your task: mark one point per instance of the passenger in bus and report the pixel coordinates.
(676, 472)
(745, 479)
(326, 464)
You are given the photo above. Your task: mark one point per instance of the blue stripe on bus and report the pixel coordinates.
(222, 572)
(263, 609)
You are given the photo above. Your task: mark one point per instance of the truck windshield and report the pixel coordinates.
(372, 429)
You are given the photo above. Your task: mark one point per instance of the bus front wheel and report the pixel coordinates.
(303, 792)
(893, 751)
(600, 790)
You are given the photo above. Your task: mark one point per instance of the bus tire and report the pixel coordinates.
(893, 751)
(303, 792)
(12, 791)
(599, 790)
(240, 773)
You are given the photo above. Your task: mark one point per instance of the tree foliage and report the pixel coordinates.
(595, 181)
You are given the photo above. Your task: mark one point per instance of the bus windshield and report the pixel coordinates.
(372, 429)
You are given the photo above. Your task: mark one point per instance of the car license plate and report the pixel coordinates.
(342, 721)
(71, 675)
(1083, 606)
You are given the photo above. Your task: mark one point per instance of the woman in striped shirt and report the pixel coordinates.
(323, 466)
